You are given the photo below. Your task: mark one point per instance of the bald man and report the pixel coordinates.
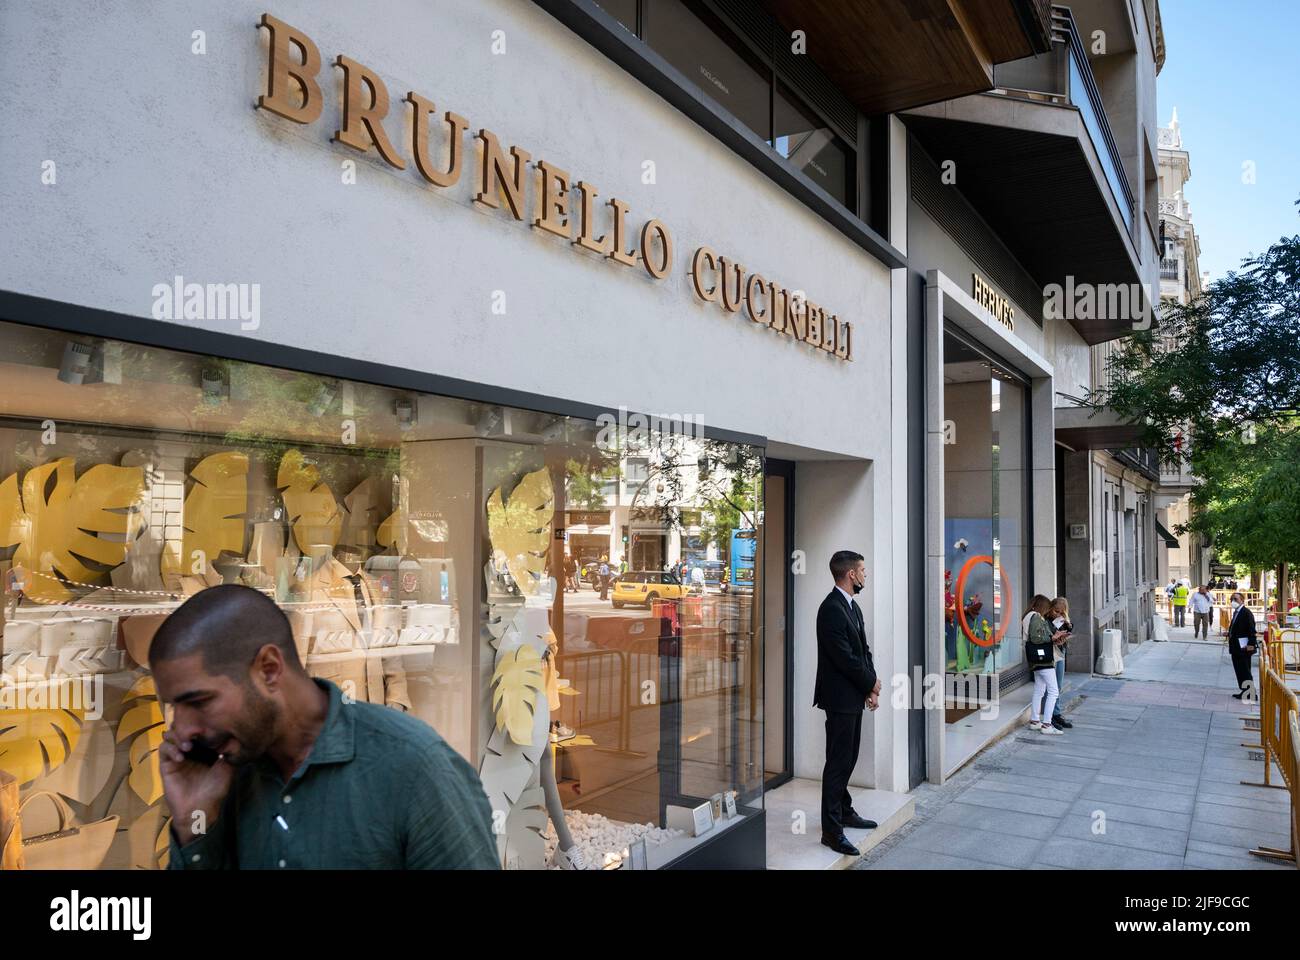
(301, 777)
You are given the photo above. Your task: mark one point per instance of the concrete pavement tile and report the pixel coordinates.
(913, 858)
(1268, 802)
(1200, 860)
(1137, 796)
(1087, 855)
(1123, 833)
(1276, 821)
(1246, 837)
(1024, 764)
(959, 841)
(1147, 783)
(1133, 814)
(1016, 823)
(1013, 802)
(1030, 786)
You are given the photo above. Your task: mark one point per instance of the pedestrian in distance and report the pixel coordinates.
(1038, 638)
(603, 575)
(1202, 606)
(1180, 604)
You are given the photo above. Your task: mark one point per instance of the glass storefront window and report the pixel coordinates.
(986, 496)
(414, 542)
(688, 35)
(812, 147)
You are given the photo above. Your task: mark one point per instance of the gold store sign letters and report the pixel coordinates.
(293, 92)
(993, 302)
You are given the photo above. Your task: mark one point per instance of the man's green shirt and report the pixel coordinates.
(380, 790)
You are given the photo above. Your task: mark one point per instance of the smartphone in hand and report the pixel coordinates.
(200, 752)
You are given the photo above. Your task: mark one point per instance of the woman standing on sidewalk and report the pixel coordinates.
(1058, 616)
(1037, 631)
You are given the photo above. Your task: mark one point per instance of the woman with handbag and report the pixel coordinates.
(1058, 617)
(1039, 655)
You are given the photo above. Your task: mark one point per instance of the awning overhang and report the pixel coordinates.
(1031, 171)
(887, 56)
(1095, 428)
(1170, 540)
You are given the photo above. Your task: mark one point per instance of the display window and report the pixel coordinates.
(986, 513)
(418, 546)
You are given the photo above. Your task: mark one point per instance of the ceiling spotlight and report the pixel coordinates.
(406, 413)
(325, 394)
(214, 385)
(76, 362)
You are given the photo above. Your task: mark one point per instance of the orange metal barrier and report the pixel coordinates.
(1279, 709)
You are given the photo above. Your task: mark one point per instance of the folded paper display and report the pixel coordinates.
(22, 636)
(72, 846)
(426, 623)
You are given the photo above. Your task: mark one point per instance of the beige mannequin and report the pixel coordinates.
(341, 644)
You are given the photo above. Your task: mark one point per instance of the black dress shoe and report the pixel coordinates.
(841, 844)
(858, 823)
(1060, 723)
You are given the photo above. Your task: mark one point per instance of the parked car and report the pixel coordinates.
(643, 587)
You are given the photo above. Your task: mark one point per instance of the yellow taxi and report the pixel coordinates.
(646, 586)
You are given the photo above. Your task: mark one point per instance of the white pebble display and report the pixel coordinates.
(603, 840)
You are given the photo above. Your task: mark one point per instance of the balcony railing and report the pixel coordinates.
(1064, 76)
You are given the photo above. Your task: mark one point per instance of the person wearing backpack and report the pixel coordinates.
(1039, 654)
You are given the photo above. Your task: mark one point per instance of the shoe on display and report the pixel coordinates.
(1060, 723)
(560, 733)
(1049, 730)
(571, 859)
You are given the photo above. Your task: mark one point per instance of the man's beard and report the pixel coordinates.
(255, 729)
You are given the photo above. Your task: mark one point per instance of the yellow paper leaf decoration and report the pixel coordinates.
(310, 504)
(214, 513)
(520, 530)
(36, 742)
(143, 720)
(515, 687)
(56, 521)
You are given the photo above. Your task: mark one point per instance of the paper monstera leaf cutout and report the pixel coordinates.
(310, 503)
(515, 686)
(143, 720)
(57, 521)
(35, 742)
(524, 845)
(214, 514)
(359, 516)
(520, 529)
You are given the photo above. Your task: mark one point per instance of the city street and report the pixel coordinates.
(1155, 755)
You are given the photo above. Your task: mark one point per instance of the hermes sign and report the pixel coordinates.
(562, 206)
(993, 302)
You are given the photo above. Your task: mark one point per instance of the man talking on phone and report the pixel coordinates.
(846, 685)
(264, 767)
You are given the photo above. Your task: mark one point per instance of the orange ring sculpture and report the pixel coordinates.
(961, 607)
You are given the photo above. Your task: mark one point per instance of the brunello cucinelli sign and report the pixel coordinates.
(562, 205)
(993, 302)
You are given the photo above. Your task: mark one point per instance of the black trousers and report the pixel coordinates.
(843, 738)
(1240, 662)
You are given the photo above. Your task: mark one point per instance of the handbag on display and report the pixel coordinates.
(72, 846)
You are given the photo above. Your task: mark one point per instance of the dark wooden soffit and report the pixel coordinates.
(888, 55)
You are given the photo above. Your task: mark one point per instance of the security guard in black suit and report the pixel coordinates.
(846, 684)
(1241, 627)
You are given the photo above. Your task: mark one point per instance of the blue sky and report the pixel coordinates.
(1232, 68)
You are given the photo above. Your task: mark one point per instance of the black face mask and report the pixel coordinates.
(857, 587)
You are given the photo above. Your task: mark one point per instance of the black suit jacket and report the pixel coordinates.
(1242, 625)
(845, 672)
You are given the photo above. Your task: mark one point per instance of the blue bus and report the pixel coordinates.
(743, 546)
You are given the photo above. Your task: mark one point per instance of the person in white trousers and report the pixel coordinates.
(1046, 690)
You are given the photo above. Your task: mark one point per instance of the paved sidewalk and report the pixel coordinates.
(1158, 762)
